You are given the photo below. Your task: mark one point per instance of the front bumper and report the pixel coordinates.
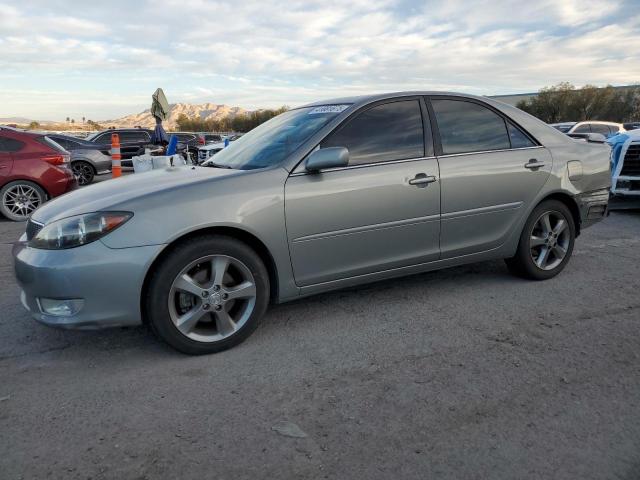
(593, 206)
(108, 280)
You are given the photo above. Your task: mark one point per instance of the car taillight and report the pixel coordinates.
(56, 159)
(201, 140)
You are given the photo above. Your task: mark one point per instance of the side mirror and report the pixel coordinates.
(596, 138)
(331, 157)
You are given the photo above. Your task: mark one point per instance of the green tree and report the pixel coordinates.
(563, 103)
(238, 123)
(34, 125)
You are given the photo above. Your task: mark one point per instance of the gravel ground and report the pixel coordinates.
(466, 373)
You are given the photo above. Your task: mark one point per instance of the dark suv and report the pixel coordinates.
(132, 140)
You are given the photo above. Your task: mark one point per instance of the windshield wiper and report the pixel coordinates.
(218, 165)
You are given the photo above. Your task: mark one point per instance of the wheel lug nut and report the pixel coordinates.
(218, 307)
(216, 288)
(225, 296)
(205, 306)
(205, 294)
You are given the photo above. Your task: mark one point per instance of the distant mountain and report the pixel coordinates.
(17, 120)
(206, 111)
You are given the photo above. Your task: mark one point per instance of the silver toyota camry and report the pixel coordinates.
(325, 196)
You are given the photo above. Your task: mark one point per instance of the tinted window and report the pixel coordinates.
(583, 129)
(184, 137)
(105, 138)
(469, 127)
(392, 131)
(603, 129)
(62, 142)
(134, 137)
(10, 145)
(518, 138)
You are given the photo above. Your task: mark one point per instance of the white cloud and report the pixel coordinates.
(266, 53)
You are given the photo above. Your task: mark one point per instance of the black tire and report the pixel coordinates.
(84, 172)
(158, 293)
(523, 263)
(9, 209)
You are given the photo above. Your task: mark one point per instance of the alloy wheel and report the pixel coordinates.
(212, 298)
(21, 200)
(549, 241)
(83, 172)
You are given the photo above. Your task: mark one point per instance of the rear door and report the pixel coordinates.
(131, 142)
(6, 158)
(371, 215)
(490, 172)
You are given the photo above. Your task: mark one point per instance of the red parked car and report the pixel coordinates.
(33, 169)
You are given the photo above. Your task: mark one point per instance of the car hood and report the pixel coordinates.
(111, 193)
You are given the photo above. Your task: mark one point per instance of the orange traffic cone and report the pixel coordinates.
(116, 167)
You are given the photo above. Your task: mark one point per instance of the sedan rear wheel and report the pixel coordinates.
(20, 199)
(83, 171)
(207, 295)
(546, 242)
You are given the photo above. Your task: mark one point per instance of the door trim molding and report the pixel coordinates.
(367, 228)
(481, 210)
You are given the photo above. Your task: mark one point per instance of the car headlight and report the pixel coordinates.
(78, 230)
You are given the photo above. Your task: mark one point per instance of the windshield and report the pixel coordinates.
(270, 143)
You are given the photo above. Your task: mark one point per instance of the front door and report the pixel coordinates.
(380, 212)
(490, 171)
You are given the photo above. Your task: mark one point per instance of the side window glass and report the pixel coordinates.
(468, 127)
(62, 142)
(518, 138)
(104, 139)
(585, 128)
(10, 145)
(391, 131)
(603, 129)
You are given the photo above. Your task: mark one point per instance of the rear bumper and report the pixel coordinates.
(593, 206)
(108, 281)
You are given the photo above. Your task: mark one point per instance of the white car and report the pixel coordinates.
(205, 152)
(607, 129)
(625, 164)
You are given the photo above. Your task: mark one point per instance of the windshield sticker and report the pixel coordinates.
(329, 109)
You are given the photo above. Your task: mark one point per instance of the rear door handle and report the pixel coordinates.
(421, 180)
(533, 164)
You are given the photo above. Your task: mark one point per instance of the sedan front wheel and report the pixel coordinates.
(207, 295)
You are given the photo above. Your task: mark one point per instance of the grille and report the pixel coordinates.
(32, 229)
(631, 165)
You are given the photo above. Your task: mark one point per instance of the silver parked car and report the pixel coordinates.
(329, 195)
(87, 160)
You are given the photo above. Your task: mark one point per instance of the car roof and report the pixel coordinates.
(365, 99)
(599, 122)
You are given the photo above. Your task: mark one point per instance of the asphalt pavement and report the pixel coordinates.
(465, 373)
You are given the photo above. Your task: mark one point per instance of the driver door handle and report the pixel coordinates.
(533, 164)
(422, 180)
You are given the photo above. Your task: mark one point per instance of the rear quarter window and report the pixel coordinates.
(10, 145)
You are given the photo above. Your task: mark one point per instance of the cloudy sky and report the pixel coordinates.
(102, 60)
